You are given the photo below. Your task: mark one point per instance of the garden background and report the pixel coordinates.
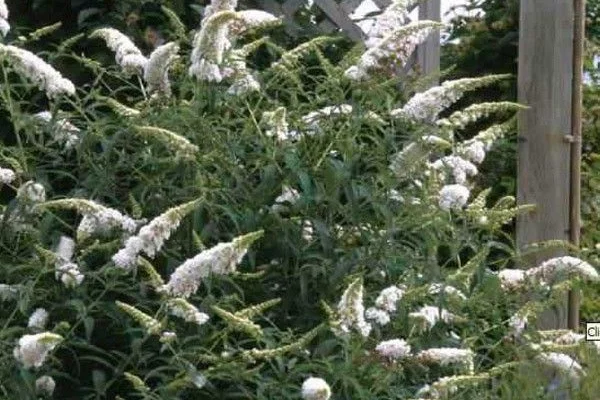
(214, 209)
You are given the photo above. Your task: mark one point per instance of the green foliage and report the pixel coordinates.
(226, 243)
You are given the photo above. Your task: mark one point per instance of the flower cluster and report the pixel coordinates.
(64, 130)
(220, 260)
(182, 308)
(32, 350)
(431, 315)
(454, 197)
(97, 219)
(562, 363)
(394, 15)
(426, 106)
(4, 25)
(550, 271)
(315, 389)
(394, 349)
(156, 70)
(351, 311)
(65, 270)
(7, 176)
(447, 356)
(385, 304)
(220, 27)
(288, 195)
(38, 319)
(152, 236)
(127, 55)
(276, 124)
(45, 385)
(400, 43)
(31, 192)
(38, 71)
(457, 166)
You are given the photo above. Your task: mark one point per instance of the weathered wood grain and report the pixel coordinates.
(544, 84)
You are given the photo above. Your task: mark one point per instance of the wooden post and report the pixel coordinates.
(545, 85)
(428, 54)
(576, 110)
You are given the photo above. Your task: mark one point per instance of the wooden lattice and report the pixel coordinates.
(337, 18)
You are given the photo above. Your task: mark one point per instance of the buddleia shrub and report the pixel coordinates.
(196, 225)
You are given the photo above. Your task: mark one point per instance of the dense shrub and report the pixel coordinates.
(227, 218)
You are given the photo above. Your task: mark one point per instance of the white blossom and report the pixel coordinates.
(167, 337)
(475, 112)
(512, 278)
(453, 197)
(219, 5)
(65, 249)
(103, 222)
(490, 135)
(517, 324)
(45, 385)
(220, 259)
(156, 70)
(97, 218)
(38, 319)
(64, 130)
(569, 337)
(389, 297)
(395, 195)
(127, 55)
(7, 176)
(251, 19)
(562, 363)
(69, 274)
(437, 288)
(276, 123)
(474, 152)
(399, 43)
(32, 350)
(4, 25)
(315, 389)
(32, 192)
(395, 349)
(435, 140)
(351, 310)
(183, 309)
(395, 15)
(380, 317)
(152, 236)
(65, 270)
(244, 83)
(288, 195)
(308, 231)
(431, 315)
(209, 46)
(38, 71)
(448, 356)
(458, 166)
(555, 268)
(426, 106)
